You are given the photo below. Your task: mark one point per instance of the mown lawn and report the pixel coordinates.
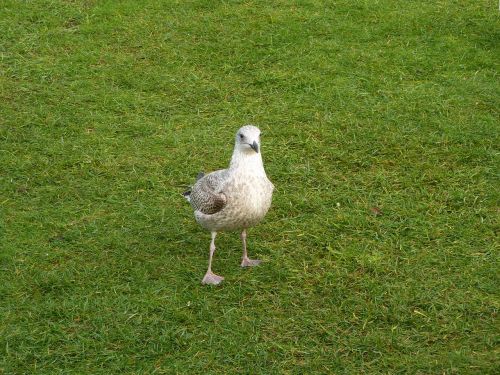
(381, 135)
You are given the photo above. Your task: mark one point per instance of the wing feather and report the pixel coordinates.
(207, 195)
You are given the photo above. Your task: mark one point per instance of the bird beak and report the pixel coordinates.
(255, 146)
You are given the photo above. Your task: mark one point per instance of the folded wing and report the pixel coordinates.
(207, 195)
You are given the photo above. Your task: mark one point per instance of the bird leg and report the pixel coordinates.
(210, 277)
(246, 262)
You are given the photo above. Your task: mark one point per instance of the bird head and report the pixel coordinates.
(248, 139)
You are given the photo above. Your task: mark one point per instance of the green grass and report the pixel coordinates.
(108, 110)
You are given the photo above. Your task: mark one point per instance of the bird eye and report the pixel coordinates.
(241, 136)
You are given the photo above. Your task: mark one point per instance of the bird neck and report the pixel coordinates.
(242, 159)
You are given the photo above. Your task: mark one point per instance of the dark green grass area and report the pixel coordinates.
(109, 109)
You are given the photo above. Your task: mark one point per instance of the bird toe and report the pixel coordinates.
(212, 279)
(246, 262)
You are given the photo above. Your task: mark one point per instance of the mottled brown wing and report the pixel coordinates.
(207, 196)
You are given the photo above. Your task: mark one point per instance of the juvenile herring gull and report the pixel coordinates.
(236, 198)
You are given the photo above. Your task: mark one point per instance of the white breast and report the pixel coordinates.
(248, 200)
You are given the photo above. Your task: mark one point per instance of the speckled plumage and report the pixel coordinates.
(206, 196)
(236, 198)
(247, 200)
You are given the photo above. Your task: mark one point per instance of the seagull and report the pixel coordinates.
(232, 199)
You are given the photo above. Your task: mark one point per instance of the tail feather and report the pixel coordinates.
(187, 194)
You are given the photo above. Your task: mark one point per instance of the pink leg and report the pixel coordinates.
(210, 277)
(246, 262)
